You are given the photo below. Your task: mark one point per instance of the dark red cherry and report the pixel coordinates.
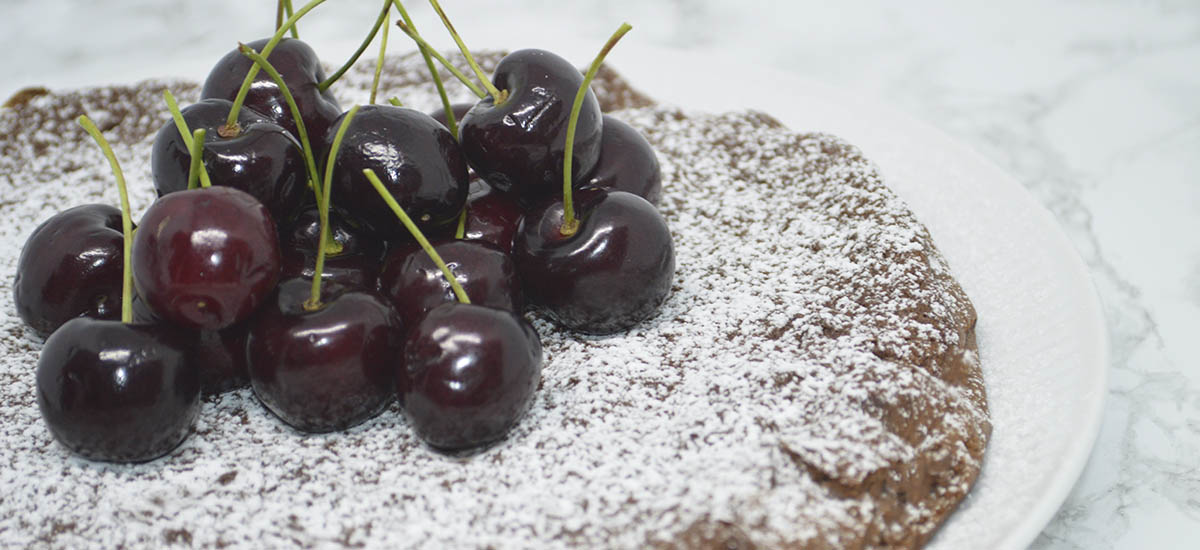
(492, 216)
(469, 373)
(264, 160)
(206, 258)
(297, 63)
(610, 275)
(518, 146)
(70, 267)
(627, 162)
(459, 109)
(117, 392)
(416, 285)
(417, 159)
(326, 369)
(218, 356)
(353, 261)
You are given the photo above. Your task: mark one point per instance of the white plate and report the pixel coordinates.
(1041, 331)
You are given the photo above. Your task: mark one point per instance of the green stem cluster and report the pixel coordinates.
(407, 23)
(184, 132)
(126, 221)
(461, 230)
(416, 233)
(380, 21)
(309, 157)
(570, 222)
(196, 151)
(498, 96)
(314, 299)
(382, 51)
(429, 50)
(284, 9)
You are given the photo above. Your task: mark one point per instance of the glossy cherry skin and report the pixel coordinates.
(326, 369)
(218, 356)
(519, 145)
(357, 258)
(264, 160)
(415, 285)
(71, 267)
(627, 162)
(469, 373)
(206, 258)
(492, 216)
(415, 157)
(117, 392)
(297, 63)
(610, 275)
(459, 109)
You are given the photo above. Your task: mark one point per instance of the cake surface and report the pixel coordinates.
(811, 382)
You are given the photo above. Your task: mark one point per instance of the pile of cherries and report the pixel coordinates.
(287, 251)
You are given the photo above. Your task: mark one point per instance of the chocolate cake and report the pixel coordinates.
(811, 382)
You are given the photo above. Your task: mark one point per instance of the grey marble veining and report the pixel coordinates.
(1093, 106)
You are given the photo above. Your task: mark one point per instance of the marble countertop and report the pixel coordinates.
(1093, 106)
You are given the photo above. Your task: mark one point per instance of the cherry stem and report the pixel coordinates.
(498, 97)
(126, 221)
(427, 49)
(287, 8)
(379, 22)
(184, 132)
(314, 299)
(433, 73)
(570, 223)
(309, 157)
(231, 129)
(382, 51)
(395, 101)
(451, 120)
(416, 233)
(462, 223)
(197, 153)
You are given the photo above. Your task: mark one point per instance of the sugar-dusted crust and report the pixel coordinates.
(812, 381)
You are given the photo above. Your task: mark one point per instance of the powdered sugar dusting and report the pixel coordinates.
(810, 380)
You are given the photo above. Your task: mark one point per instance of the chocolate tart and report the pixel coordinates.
(811, 382)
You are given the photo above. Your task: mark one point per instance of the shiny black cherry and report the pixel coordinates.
(415, 157)
(627, 162)
(610, 275)
(492, 216)
(325, 369)
(416, 285)
(117, 392)
(469, 374)
(518, 145)
(206, 258)
(219, 356)
(353, 259)
(301, 70)
(264, 160)
(71, 267)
